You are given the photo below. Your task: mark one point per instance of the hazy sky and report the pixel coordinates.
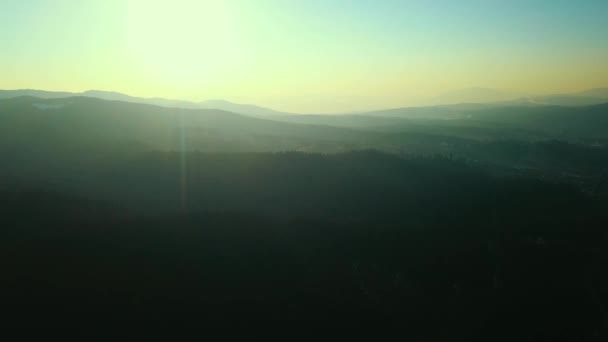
(303, 56)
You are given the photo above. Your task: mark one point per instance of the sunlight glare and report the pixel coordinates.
(181, 41)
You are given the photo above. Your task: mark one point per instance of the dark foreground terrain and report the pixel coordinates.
(438, 248)
(445, 237)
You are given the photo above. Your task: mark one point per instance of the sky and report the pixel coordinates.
(309, 56)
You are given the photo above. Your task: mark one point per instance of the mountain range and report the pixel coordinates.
(71, 142)
(496, 96)
(458, 100)
(246, 109)
(27, 119)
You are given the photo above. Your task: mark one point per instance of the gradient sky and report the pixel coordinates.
(303, 56)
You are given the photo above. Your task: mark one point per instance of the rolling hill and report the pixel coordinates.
(245, 109)
(27, 120)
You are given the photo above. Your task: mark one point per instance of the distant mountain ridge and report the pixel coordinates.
(48, 123)
(246, 109)
(496, 96)
(446, 103)
(597, 92)
(475, 95)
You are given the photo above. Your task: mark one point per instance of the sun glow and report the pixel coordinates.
(182, 41)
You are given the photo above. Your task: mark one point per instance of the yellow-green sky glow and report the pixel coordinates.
(303, 56)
